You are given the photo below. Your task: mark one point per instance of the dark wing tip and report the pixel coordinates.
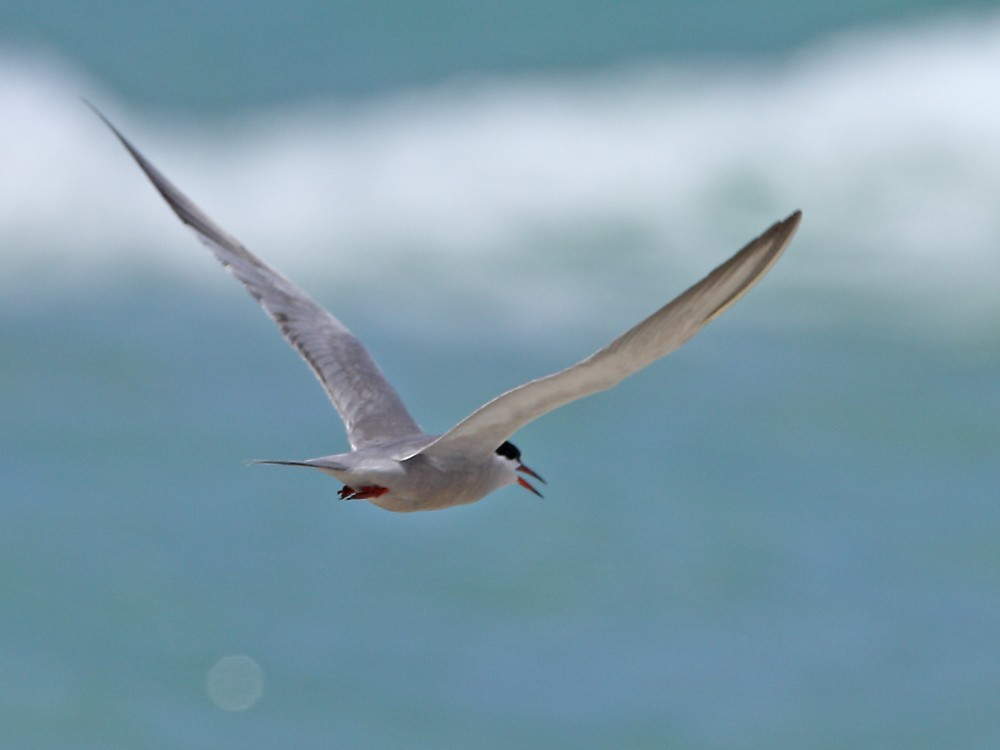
(124, 141)
(791, 223)
(181, 205)
(757, 257)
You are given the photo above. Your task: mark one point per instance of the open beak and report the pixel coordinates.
(524, 482)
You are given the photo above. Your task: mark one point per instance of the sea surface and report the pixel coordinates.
(785, 535)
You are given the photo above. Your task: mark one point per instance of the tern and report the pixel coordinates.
(392, 462)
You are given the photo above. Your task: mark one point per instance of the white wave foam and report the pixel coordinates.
(533, 189)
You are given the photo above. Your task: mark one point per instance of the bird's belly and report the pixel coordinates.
(427, 487)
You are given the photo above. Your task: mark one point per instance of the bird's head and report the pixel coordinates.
(511, 452)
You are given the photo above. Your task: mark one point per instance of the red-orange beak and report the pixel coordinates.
(524, 482)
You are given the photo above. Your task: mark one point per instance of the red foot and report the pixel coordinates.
(365, 493)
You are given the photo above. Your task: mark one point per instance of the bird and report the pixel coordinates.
(392, 462)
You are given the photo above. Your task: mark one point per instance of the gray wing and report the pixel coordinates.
(656, 336)
(367, 404)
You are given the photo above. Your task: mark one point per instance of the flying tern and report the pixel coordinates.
(392, 462)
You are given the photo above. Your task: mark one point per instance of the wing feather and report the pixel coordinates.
(656, 336)
(368, 405)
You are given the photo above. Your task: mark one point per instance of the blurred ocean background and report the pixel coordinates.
(786, 535)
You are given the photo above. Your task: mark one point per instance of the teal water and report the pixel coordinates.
(772, 539)
(782, 536)
(233, 55)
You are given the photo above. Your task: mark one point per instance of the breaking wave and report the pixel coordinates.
(537, 190)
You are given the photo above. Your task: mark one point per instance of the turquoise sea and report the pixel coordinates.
(785, 535)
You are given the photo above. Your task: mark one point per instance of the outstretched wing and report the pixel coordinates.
(656, 336)
(367, 404)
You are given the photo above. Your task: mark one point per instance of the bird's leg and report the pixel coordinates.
(365, 493)
(370, 491)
